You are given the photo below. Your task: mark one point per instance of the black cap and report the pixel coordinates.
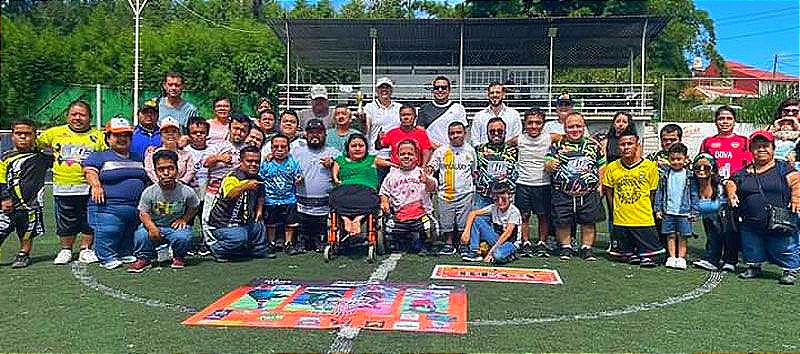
(315, 124)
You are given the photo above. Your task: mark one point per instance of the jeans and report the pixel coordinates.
(248, 240)
(480, 202)
(113, 227)
(759, 245)
(482, 230)
(724, 247)
(179, 239)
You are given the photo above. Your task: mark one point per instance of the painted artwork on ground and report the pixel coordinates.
(368, 305)
(496, 274)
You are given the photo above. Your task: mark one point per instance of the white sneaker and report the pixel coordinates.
(64, 256)
(680, 263)
(87, 256)
(672, 262)
(127, 259)
(111, 265)
(162, 253)
(704, 264)
(729, 267)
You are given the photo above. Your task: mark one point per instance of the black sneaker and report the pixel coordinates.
(204, 250)
(565, 253)
(21, 261)
(647, 263)
(526, 250)
(634, 260)
(294, 249)
(464, 250)
(541, 250)
(447, 250)
(789, 277)
(750, 272)
(586, 254)
(472, 256)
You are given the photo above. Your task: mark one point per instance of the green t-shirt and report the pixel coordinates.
(358, 172)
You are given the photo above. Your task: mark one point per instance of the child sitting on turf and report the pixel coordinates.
(675, 205)
(500, 234)
(281, 174)
(405, 196)
(166, 210)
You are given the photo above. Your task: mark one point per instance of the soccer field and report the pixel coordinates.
(602, 306)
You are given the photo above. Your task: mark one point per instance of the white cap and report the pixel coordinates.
(384, 81)
(318, 91)
(118, 125)
(169, 121)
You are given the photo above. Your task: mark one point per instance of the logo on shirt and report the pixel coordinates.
(735, 145)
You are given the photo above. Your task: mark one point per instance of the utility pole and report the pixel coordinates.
(775, 66)
(137, 8)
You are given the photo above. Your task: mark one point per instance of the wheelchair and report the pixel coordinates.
(371, 236)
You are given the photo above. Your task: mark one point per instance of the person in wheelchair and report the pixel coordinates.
(355, 175)
(500, 233)
(405, 199)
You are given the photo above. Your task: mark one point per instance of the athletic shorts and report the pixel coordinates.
(312, 227)
(569, 210)
(675, 224)
(627, 241)
(71, 217)
(533, 199)
(282, 214)
(27, 224)
(453, 214)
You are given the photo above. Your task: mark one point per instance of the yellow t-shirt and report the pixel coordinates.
(70, 149)
(632, 186)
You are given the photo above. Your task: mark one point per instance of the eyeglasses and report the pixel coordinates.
(497, 131)
(791, 112)
(705, 168)
(441, 88)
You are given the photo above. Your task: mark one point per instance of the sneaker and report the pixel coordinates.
(162, 254)
(727, 267)
(541, 250)
(647, 263)
(21, 261)
(704, 264)
(64, 256)
(111, 264)
(293, 250)
(680, 263)
(634, 260)
(204, 251)
(586, 254)
(139, 266)
(447, 250)
(672, 262)
(221, 260)
(565, 253)
(526, 250)
(750, 273)
(178, 263)
(464, 250)
(87, 256)
(127, 259)
(789, 277)
(472, 256)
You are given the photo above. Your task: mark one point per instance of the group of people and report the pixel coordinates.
(271, 182)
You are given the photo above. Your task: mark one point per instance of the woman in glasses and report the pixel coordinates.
(710, 199)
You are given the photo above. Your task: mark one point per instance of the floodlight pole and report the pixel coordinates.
(661, 115)
(288, 72)
(137, 14)
(461, 66)
(644, 36)
(98, 94)
(552, 32)
(373, 33)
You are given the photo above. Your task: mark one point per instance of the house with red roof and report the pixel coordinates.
(741, 81)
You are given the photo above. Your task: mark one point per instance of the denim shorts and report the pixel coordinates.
(671, 224)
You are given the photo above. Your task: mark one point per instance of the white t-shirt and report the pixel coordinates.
(510, 116)
(296, 143)
(531, 152)
(502, 218)
(455, 166)
(200, 171)
(553, 127)
(383, 119)
(312, 194)
(218, 170)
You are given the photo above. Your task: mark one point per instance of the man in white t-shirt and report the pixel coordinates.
(455, 164)
(435, 116)
(532, 195)
(563, 108)
(500, 233)
(382, 115)
(496, 93)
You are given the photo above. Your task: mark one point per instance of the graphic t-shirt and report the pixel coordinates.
(632, 185)
(731, 153)
(455, 165)
(312, 194)
(229, 212)
(166, 206)
(661, 158)
(495, 164)
(22, 177)
(407, 196)
(436, 119)
(219, 169)
(578, 173)
(502, 218)
(70, 149)
(383, 119)
(279, 181)
(200, 171)
(358, 172)
(122, 179)
(531, 159)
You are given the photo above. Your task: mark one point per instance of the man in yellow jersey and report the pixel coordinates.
(71, 144)
(630, 185)
(455, 165)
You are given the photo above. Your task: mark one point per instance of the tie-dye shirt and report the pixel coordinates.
(496, 164)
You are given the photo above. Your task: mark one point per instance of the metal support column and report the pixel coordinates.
(661, 110)
(288, 71)
(98, 98)
(461, 66)
(373, 33)
(644, 37)
(552, 32)
(137, 15)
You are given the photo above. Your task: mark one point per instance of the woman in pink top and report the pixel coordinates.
(170, 134)
(218, 131)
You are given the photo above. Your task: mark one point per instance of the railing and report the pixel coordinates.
(595, 101)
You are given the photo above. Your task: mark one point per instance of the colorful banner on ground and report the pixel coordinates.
(497, 274)
(369, 305)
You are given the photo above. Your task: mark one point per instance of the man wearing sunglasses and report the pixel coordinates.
(437, 115)
(496, 92)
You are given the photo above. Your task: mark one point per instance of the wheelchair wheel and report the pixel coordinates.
(328, 253)
(372, 254)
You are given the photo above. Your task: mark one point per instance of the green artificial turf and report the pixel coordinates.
(46, 309)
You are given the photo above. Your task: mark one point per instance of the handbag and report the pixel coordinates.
(779, 220)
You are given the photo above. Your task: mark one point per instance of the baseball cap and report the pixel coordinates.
(763, 134)
(118, 125)
(168, 121)
(564, 100)
(315, 124)
(384, 81)
(318, 91)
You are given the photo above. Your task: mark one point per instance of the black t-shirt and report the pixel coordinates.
(776, 191)
(429, 112)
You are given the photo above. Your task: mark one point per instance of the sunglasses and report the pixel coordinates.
(705, 168)
(441, 88)
(497, 131)
(790, 112)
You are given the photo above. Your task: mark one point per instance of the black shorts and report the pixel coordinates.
(27, 224)
(282, 214)
(642, 241)
(312, 226)
(532, 199)
(71, 217)
(569, 210)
